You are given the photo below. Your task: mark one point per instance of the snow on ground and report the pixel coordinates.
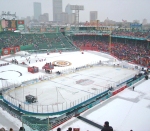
(9, 121)
(76, 58)
(2, 62)
(125, 111)
(146, 86)
(76, 123)
(116, 113)
(22, 53)
(122, 112)
(15, 74)
(1, 126)
(129, 94)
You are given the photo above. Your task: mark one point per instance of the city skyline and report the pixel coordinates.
(116, 10)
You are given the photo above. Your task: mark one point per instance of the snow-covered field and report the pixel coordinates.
(116, 110)
(128, 110)
(76, 58)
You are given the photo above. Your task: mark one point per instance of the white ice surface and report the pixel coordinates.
(65, 89)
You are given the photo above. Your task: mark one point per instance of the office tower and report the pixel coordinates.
(37, 10)
(68, 9)
(93, 15)
(57, 10)
(44, 17)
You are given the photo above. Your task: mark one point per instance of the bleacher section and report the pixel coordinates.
(132, 50)
(36, 41)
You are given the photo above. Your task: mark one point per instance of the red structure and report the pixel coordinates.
(33, 69)
(10, 50)
(48, 67)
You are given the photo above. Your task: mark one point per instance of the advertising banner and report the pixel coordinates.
(135, 25)
(3, 24)
(8, 25)
(20, 25)
(51, 29)
(10, 50)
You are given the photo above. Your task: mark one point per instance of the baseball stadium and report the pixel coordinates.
(50, 75)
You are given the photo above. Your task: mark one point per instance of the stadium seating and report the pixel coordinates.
(133, 51)
(35, 41)
(136, 34)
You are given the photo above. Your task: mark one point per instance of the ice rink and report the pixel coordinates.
(79, 86)
(73, 88)
(65, 91)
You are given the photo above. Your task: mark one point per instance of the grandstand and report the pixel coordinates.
(129, 46)
(35, 41)
(134, 48)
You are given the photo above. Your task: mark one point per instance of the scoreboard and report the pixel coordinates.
(12, 25)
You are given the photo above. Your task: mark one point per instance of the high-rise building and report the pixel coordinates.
(47, 16)
(57, 10)
(27, 20)
(64, 18)
(144, 21)
(44, 17)
(93, 15)
(68, 9)
(71, 18)
(37, 10)
(136, 21)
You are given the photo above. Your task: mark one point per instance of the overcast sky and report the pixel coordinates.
(113, 9)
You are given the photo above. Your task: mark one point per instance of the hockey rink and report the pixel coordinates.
(65, 91)
(19, 73)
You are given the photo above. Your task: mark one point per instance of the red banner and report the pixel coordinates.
(21, 22)
(10, 50)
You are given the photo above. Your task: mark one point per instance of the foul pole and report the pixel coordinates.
(110, 42)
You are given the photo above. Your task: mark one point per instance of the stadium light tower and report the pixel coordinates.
(77, 8)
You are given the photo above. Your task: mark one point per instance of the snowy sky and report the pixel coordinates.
(113, 9)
